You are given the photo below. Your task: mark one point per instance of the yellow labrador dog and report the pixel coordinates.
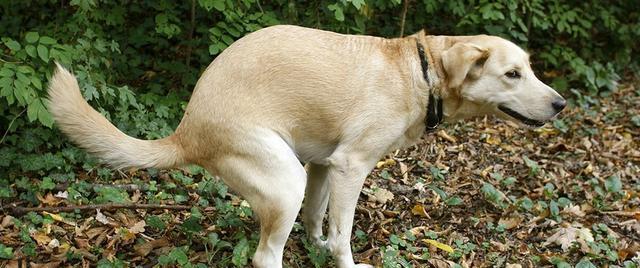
(338, 103)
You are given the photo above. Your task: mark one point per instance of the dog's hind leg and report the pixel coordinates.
(315, 202)
(266, 172)
(347, 172)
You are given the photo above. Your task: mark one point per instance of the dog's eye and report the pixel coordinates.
(513, 74)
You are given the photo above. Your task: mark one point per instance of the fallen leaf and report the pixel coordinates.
(49, 199)
(63, 195)
(439, 245)
(41, 238)
(386, 163)
(55, 217)
(438, 263)
(380, 195)
(493, 139)
(510, 223)
(54, 243)
(138, 227)
(101, 217)
(143, 249)
(419, 211)
(573, 210)
(6, 222)
(566, 236)
(443, 134)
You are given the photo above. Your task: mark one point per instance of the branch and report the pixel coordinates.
(109, 206)
(192, 27)
(404, 16)
(10, 124)
(124, 187)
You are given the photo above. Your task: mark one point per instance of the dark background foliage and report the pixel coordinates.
(137, 61)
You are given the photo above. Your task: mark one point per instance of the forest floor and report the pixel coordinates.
(479, 193)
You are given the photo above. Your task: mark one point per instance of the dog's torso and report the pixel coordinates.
(315, 89)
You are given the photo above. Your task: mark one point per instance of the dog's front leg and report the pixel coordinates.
(346, 175)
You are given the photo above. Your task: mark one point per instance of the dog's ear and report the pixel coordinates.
(459, 59)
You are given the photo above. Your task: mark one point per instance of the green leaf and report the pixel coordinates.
(47, 40)
(192, 224)
(31, 51)
(209, 4)
(358, 3)
(179, 255)
(454, 201)
(613, 184)
(337, 11)
(219, 5)
(44, 116)
(553, 208)
(6, 88)
(585, 263)
(35, 81)
(241, 253)
(12, 44)
(47, 184)
(43, 52)
(33, 109)
(6, 72)
(6, 252)
(32, 37)
(155, 222)
(111, 195)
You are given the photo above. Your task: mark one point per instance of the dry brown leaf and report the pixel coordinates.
(386, 163)
(566, 236)
(419, 210)
(41, 238)
(443, 134)
(511, 222)
(438, 263)
(49, 199)
(143, 249)
(7, 221)
(101, 218)
(138, 227)
(573, 210)
(380, 195)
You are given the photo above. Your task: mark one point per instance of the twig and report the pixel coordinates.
(10, 124)
(405, 8)
(190, 35)
(124, 187)
(96, 186)
(109, 206)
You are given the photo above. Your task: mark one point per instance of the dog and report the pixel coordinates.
(286, 95)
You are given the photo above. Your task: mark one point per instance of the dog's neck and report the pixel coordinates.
(441, 102)
(450, 97)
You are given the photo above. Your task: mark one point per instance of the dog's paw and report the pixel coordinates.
(320, 243)
(364, 265)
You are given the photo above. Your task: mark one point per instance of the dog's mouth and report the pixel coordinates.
(525, 120)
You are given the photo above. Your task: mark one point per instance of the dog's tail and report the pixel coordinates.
(92, 131)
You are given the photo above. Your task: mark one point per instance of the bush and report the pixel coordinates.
(137, 61)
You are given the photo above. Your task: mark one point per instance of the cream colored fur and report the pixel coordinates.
(286, 94)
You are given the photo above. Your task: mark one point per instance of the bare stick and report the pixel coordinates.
(10, 124)
(404, 16)
(109, 206)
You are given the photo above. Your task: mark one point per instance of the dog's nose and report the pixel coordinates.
(559, 104)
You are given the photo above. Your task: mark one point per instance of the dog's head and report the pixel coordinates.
(493, 76)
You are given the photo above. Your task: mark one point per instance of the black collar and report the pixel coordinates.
(434, 107)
